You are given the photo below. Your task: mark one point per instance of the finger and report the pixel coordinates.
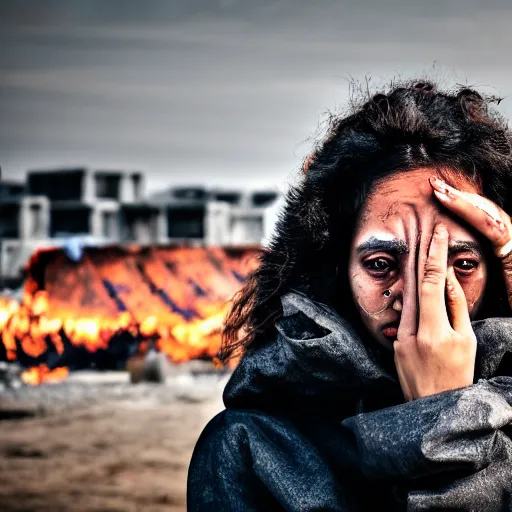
(480, 212)
(456, 304)
(402, 376)
(422, 257)
(433, 313)
(408, 326)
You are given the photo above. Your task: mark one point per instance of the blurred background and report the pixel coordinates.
(145, 147)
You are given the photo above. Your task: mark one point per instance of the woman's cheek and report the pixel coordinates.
(368, 293)
(359, 285)
(473, 288)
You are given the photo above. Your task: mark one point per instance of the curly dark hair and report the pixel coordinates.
(411, 126)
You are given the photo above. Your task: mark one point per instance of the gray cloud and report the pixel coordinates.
(221, 91)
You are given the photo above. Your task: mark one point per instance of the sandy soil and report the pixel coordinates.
(98, 443)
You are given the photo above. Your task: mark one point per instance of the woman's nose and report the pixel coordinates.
(395, 293)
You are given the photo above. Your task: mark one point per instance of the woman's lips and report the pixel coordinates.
(390, 331)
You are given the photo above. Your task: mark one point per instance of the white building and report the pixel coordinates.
(59, 206)
(215, 216)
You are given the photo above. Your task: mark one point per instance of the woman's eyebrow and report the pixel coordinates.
(465, 246)
(385, 245)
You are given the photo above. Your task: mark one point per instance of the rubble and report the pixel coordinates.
(10, 376)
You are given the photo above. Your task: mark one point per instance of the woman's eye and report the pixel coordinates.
(379, 265)
(465, 265)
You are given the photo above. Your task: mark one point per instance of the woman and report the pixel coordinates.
(375, 333)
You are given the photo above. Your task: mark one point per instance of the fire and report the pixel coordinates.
(174, 297)
(42, 373)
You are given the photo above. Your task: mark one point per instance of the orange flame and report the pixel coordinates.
(37, 374)
(176, 297)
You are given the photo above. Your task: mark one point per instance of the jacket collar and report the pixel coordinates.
(316, 359)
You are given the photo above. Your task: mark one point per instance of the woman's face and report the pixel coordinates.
(395, 225)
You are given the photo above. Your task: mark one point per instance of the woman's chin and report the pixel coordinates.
(385, 341)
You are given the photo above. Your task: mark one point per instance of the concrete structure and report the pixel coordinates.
(87, 202)
(24, 227)
(73, 206)
(215, 216)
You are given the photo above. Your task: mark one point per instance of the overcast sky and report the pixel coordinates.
(219, 91)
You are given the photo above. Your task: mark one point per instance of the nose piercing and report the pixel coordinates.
(387, 293)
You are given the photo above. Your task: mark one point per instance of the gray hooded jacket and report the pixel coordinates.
(315, 420)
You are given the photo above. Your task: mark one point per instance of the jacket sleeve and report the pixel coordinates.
(249, 461)
(458, 439)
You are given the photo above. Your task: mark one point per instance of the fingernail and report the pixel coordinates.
(442, 195)
(434, 180)
(443, 188)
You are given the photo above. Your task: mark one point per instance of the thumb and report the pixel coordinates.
(456, 304)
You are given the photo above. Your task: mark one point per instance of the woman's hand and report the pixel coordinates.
(437, 356)
(486, 217)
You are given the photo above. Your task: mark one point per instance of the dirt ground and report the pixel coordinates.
(98, 443)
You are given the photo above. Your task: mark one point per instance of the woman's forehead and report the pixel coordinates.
(407, 196)
(413, 186)
(408, 189)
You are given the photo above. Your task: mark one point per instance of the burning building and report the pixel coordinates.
(116, 301)
(111, 273)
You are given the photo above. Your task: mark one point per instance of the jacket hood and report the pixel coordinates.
(317, 360)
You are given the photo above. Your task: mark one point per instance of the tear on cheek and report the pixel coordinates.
(370, 297)
(372, 303)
